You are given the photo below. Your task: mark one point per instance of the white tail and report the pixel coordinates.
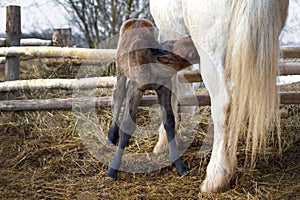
(251, 63)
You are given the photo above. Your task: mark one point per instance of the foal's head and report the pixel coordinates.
(183, 53)
(138, 46)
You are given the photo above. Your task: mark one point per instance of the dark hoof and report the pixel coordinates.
(110, 143)
(108, 180)
(183, 171)
(113, 134)
(181, 168)
(112, 174)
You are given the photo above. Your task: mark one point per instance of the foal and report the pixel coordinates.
(143, 64)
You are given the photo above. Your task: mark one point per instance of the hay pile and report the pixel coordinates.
(43, 157)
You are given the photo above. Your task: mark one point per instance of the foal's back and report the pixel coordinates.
(137, 37)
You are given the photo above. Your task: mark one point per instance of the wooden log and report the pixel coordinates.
(35, 42)
(286, 68)
(62, 37)
(91, 102)
(66, 104)
(100, 82)
(190, 77)
(2, 42)
(2, 60)
(290, 51)
(290, 68)
(55, 104)
(71, 84)
(13, 25)
(74, 61)
(290, 98)
(44, 104)
(28, 42)
(59, 52)
(13, 36)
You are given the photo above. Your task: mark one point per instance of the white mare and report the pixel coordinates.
(238, 45)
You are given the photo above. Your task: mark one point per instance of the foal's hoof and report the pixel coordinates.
(112, 174)
(183, 171)
(181, 168)
(108, 180)
(110, 143)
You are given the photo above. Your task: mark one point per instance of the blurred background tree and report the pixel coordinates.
(101, 19)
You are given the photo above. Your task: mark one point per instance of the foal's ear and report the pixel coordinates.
(165, 57)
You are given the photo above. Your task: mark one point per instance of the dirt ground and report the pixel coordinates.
(42, 156)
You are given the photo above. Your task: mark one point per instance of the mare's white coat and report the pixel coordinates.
(207, 31)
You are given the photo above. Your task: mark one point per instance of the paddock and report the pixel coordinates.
(44, 157)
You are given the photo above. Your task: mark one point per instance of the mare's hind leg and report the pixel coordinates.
(164, 95)
(118, 97)
(128, 126)
(220, 169)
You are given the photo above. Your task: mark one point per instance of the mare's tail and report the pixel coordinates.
(251, 64)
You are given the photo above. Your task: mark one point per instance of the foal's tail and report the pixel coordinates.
(251, 63)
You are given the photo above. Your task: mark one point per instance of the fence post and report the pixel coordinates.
(13, 37)
(62, 37)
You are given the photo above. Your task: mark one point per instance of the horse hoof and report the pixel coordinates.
(110, 143)
(160, 148)
(215, 184)
(113, 134)
(112, 174)
(183, 171)
(108, 180)
(209, 187)
(181, 174)
(181, 168)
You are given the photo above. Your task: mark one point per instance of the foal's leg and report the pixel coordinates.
(164, 95)
(162, 144)
(179, 89)
(118, 97)
(128, 126)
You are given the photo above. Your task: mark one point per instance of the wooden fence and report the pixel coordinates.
(13, 53)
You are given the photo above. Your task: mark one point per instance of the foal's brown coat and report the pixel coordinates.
(140, 60)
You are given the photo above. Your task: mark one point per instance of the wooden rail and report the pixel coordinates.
(290, 51)
(60, 52)
(102, 82)
(28, 42)
(99, 102)
(70, 84)
(54, 52)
